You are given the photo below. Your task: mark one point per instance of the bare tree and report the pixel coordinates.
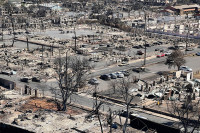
(113, 86)
(176, 58)
(71, 74)
(96, 108)
(123, 87)
(188, 113)
(11, 8)
(111, 115)
(55, 92)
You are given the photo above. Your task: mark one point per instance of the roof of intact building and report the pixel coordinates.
(186, 6)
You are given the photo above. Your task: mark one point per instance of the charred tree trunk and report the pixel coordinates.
(13, 30)
(27, 43)
(64, 105)
(98, 113)
(127, 116)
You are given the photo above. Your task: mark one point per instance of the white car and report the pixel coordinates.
(93, 81)
(186, 68)
(119, 74)
(167, 53)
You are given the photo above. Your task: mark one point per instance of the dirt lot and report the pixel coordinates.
(197, 75)
(41, 115)
(36, 104)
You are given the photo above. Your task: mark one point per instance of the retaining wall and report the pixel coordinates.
(7, 83)
(8, 128)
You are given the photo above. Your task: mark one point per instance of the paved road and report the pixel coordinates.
(193, 62)
(117, 68)
(82, 100)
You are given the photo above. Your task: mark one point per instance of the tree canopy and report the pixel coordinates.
(176, 58)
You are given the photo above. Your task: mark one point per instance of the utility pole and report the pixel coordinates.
(188, 25)
(13, 30)
(27, 43)
(145, 18)
(93, 40)
(145, 53)
(2, 25)
(52, 49)
(75, 39)
(42, 52)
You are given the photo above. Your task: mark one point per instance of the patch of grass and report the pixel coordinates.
(197, 75)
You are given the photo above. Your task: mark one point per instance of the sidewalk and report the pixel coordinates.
(114, 65)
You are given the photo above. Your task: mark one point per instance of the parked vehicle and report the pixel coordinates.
(137, 47)
(35, 79)
(123, 64)
(119, 74)
(6, 72)
(189, 49)
(105, 77)
(133, 90)
(140, 52)
(93, 81)
(160, 55)
(186, 68)
(147, 45)
(167, 53)
(160, 43)
(198, 53)
(126, 73)
(169, 61)
(138, 69)
(113, 76)
(161, 50)
(172, 48)
(141, 46)
(24, 79)
(155, 43)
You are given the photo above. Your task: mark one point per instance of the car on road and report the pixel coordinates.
(189, 49)
(172, 48)
(147, 45)
(133, 90)
(186, 68)
(6, 72)
(167, 53)
(161, 50)
(157, 49)
(35, 79)
(139, 52)
(123, 64)
(138, 69)
(137, 47)
(198, 53)
(160, 43)
(113, 76)
(119, 74)
(126, 73)
(93, 81)
(138, 95)
(24, 79)
(141, 46)
(170, 61)
(105, 77)
(160, 55)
